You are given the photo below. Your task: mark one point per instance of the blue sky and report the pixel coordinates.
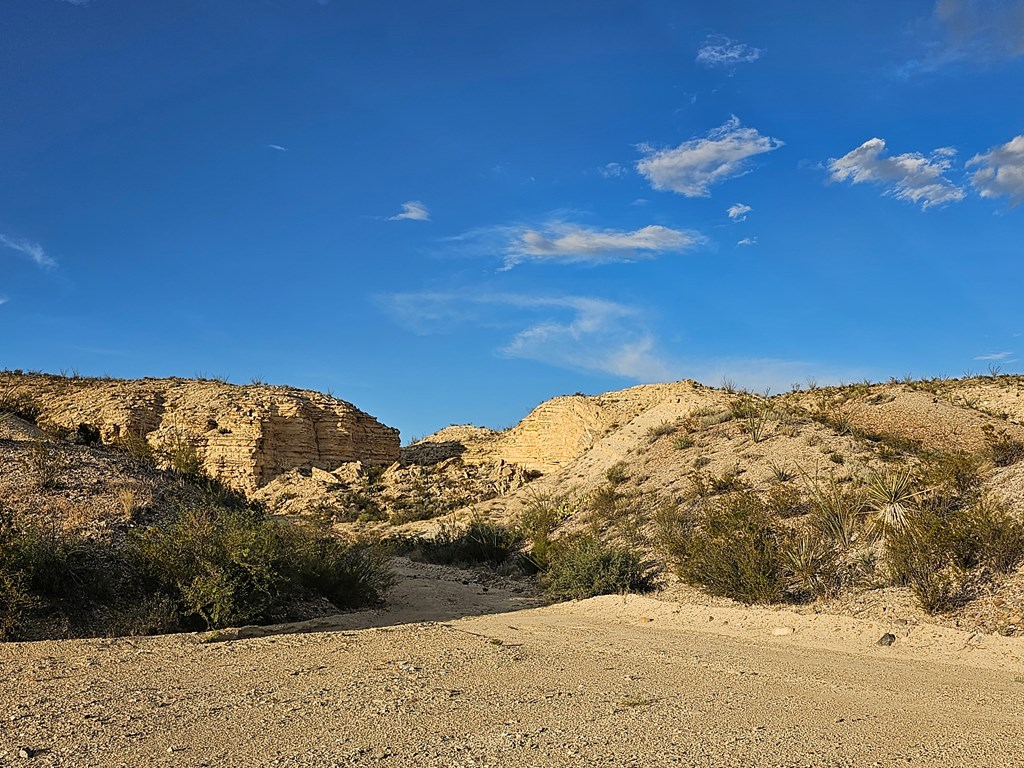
(449, 212)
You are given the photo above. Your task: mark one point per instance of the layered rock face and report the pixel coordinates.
(242, 435)
(561, 430)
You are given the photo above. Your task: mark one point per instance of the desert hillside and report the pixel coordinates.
(836, 577)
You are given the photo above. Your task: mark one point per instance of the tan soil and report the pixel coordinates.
(613, 681)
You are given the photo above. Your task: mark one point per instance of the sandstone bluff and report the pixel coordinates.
(243, 435)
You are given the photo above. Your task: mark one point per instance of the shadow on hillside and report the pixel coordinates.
(423, 592)
(430, 453)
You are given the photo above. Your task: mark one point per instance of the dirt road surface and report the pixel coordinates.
(613, 681)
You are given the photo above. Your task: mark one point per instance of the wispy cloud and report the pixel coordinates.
(576, 332)
(413, 210)
(747, 241)
(1000, 171)
(3, 299)
(277, 147)
(967, 33)
(695, 165)
(77, 2)
(612, 171)
(739, 212)
(563, 242)
(989, 29)
(994, 356)
(590, 334)
(722, 51)
(911, 176)
(33, 250)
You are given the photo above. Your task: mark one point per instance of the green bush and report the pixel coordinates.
(1002, 448)
(943, 552)
(539, 520)
(44, 569)
(239, 566)
(581, 565)
(734, 547)
(482, 541)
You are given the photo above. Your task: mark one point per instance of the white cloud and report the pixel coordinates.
(1000, 171)
(3, 299)
(577, 332)
(33, 250)
(994, 356)
(612, 171)
(278, 147)
(78, 2)
(748, 241)
(911, 176)
(571, 243)
(722, 51)
(413, 210)
(739, 212)
(695, 165)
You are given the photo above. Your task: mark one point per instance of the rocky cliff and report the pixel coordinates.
(242, 435)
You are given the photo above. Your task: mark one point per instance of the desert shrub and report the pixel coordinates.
(891, 497)
(539, 520)
(135, 447)
(1002, 448)
(607, 506)
(734, 547)
(684, 442)
(662, 429)
(786, 500)
(581, 565)
(950, 480)
(705, 484)
(836, 512)
(753, 413)
(617, 473)
(228, 566)
(943, 552)
(87, 434)
(482, 541)
(44, 464)
(814, 565)
(46, 570)
(183, 458)
(19, 403)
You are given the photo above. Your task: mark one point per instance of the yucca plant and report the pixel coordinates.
(891, 499)
(835, 512)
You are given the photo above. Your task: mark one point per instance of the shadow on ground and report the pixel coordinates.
(423, 592)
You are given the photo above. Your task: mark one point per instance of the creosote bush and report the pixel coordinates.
(482, 541)
(209, 565)
(582, 565)
(731, 546)
(239, 566)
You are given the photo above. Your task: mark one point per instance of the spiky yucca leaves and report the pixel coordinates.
(836, 512)
(892, 499)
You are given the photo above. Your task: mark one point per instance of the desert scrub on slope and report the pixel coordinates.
(226, 566)
(731, 546)
(581, 565)
(945, 554)
(207, 565)
(480, 542)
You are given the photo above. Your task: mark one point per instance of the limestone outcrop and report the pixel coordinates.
(242, 435)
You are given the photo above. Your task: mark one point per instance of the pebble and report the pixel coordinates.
(887, 639)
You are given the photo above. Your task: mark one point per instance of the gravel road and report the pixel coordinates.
(606, 682)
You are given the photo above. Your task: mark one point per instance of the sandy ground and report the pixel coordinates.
(614, 681)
